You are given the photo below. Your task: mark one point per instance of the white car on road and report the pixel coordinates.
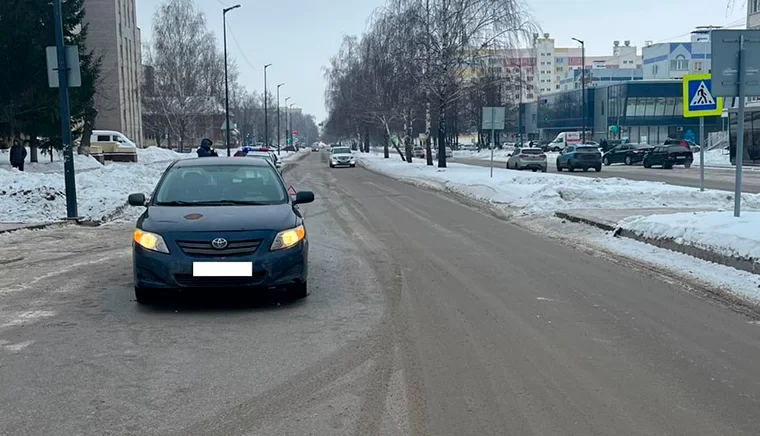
(342, 156)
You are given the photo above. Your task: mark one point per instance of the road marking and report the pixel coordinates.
(544, 299)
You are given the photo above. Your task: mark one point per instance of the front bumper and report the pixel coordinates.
(531, 165)
(271, 270)
(343, 164)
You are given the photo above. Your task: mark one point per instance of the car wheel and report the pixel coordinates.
(606, 161)
(145, 296)
(570, 167)
(628, 160)
(299, 291)
(687, 165)
(598, 168)
(543, 170)
(555, 149)
(647, 164)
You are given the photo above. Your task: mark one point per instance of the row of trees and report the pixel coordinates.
(28, 106)
(424, 65)
(183, 97)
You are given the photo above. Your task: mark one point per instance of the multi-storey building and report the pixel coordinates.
(753, 14)
(115, 38)
(673, 60)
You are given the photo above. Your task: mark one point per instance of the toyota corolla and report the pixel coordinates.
(217, 223)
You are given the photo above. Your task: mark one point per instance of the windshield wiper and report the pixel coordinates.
(176, 203)
(211, 203)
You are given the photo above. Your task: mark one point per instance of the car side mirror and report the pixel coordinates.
(304, 197)
(136, 200)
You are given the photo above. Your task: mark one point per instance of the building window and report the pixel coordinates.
(630, 110)
(680, 63)
(698, 64)
(678, 107)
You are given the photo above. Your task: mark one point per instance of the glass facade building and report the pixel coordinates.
(641, 111)
(751, 135)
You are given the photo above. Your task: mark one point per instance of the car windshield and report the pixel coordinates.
(641, 146)
(341, 150)
(221, 184)
(587, 150)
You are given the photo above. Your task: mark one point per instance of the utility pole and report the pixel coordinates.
(266, 118)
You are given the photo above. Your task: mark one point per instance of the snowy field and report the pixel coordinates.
(38, 194)
(536, 196)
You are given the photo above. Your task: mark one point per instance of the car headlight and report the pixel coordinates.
(150, 241)
(288, 238)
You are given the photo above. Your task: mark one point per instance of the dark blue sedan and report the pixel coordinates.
(217, 223)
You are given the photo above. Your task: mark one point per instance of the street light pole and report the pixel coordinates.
(583, 88)
(226, 81)
(266, 117)
(278, 117)
(290, 125)
(69, 178)
(287, 132)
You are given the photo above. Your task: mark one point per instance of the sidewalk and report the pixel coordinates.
(713, 236)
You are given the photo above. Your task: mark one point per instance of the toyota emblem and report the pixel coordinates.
(219, 243)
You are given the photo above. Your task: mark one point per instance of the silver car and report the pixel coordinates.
(342, 156)
(268, 155)
(527, 159)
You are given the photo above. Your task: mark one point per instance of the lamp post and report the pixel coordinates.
(583, 88)
(278, 117)
(226, 82)
(287, 131)
(290, 125)
(266, 117)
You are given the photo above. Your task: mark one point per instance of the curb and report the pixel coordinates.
(751, 266)
(33, 227)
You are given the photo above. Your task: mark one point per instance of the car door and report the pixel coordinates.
(619, 153)
(656, 155)
(566, 155)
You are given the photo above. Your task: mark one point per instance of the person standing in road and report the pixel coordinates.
(207, 149)
(18, 155)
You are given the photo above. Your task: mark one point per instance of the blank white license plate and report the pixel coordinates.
(222, 269)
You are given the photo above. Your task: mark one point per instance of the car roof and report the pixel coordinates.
(220, 161)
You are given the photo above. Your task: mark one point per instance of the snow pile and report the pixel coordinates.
(155, 154)
(30, 197)
(529, 193)
(46, 166)
(719, 232)
(714, 158)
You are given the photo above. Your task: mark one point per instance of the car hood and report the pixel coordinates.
(162, 219)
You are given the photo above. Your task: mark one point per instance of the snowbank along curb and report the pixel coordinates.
(15, 227)
(744, 264)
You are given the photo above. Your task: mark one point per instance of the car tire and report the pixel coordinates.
(687, 165)
(543, 170)
(598, 168)
(299, 291)
(559, 168)
(646, 164)
(570, 167)
(628, 161)
(145, 296)
(555, 149)
(606, 161)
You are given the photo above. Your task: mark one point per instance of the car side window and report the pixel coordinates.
(569, 150)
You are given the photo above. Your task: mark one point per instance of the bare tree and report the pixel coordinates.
(188, 69)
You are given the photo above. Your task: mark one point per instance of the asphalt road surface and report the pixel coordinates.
(715, 178)
(427, 317)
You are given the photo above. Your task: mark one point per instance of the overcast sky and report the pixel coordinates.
(299, 36)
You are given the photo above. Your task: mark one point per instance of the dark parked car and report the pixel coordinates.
(667, 156)
(579, 157)
(628, 154)
(218, 223)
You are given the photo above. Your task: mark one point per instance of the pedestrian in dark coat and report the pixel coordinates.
(18, 155)
(207, 149)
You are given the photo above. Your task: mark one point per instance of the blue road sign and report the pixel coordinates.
(698, 100)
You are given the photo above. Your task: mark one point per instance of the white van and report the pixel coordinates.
(115, 145)
(564, 139)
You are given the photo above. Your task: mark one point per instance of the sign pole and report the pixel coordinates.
(702, 153)
(740, 127)
(493, 137)
(63, 96)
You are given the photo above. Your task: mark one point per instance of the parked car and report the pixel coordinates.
(418, 151)
(218, 223)
(628, 154)
(579, 157)
(449, 152)
(528, 158)
(268, 155)
(668, 156)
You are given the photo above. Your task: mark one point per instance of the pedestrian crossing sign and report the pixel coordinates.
(698, 100)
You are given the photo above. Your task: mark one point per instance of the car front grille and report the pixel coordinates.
(233, 248)
(189, 281)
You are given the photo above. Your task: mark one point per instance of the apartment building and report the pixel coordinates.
(115, 38)
(555, 64)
